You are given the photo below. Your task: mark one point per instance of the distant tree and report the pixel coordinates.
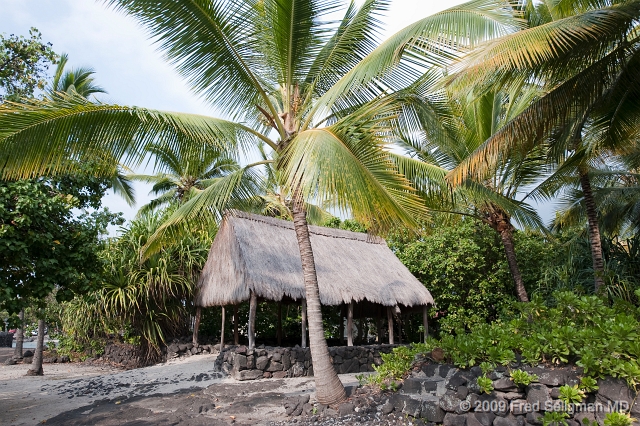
(44, 246)
(23, 64)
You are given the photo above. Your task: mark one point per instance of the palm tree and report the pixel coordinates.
(183, 173)
(75, 80)
(468, 122)
(316, 91)
(586, 56)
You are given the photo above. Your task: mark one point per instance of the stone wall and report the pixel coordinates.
(6, 339)
(440, 393)
(266, 362)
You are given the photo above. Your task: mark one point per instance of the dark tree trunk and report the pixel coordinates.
(329, 388)
(19, 336)
(594, 230)
(36, 364)
(501, 223)
(425, 322)
(507, 240)
(196, 325)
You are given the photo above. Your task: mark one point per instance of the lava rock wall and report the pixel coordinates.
(267, 362)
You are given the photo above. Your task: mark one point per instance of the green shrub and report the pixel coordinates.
(618, 419)
(485, 384)
(555, 418)
(571, 394)
(568, 328)
(588, 384)
(522, 378)
(465, 269)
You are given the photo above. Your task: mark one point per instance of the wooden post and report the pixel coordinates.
(361, 332)
(196, 325)
(236, 337)
(425, 322)
(350, 325)
(341, 326)
(279, 325)
(390, 323)
(304, 322)
(251, 329)
(222, 331)
(400, 321)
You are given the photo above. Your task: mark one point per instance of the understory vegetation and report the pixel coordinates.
(566, 328)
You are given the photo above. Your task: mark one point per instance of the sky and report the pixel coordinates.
(127, 65)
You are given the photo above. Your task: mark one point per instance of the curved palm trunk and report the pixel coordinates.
(19, 336)
(329, 388)
(507, 241)
(501, 223)
(594, 230)
(36, 365)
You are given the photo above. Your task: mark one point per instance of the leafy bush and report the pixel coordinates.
(571, 394)
(485, 384)
(588, 384)
(464, 267)
(522, 378)
(618, 419)
(555, 418)
(570, 329)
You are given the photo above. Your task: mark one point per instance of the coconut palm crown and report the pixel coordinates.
(586, 57)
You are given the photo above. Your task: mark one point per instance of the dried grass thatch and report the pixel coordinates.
(260, 254)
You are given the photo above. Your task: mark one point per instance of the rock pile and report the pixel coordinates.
(442, 394)
(268, 362)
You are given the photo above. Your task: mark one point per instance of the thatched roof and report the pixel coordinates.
(260, 254)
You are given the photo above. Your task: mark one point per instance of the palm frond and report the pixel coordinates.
(237, 190)
(431, 41)
(347, 168)
(39, 137)
(213, 44)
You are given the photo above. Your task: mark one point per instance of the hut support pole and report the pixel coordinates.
(253, 305)
(222, 331)
(425, 322)
(279, 329)
(400, 321)
(236, 337)
(390, 321)
(341, 329)
(303, 313)
(196, 325)
(350, 325)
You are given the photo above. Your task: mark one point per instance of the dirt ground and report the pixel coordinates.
(185, 392)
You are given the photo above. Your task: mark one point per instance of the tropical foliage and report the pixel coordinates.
(577, 329)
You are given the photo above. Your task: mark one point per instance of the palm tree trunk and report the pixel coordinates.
(329, 388)
(36, 365)
(594, 230)
(507, 241)
(19, 336)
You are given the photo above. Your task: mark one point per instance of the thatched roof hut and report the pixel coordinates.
(260, 254)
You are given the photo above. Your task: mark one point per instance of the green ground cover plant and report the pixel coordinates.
(569, 329)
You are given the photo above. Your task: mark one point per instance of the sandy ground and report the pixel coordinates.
(186, 392)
